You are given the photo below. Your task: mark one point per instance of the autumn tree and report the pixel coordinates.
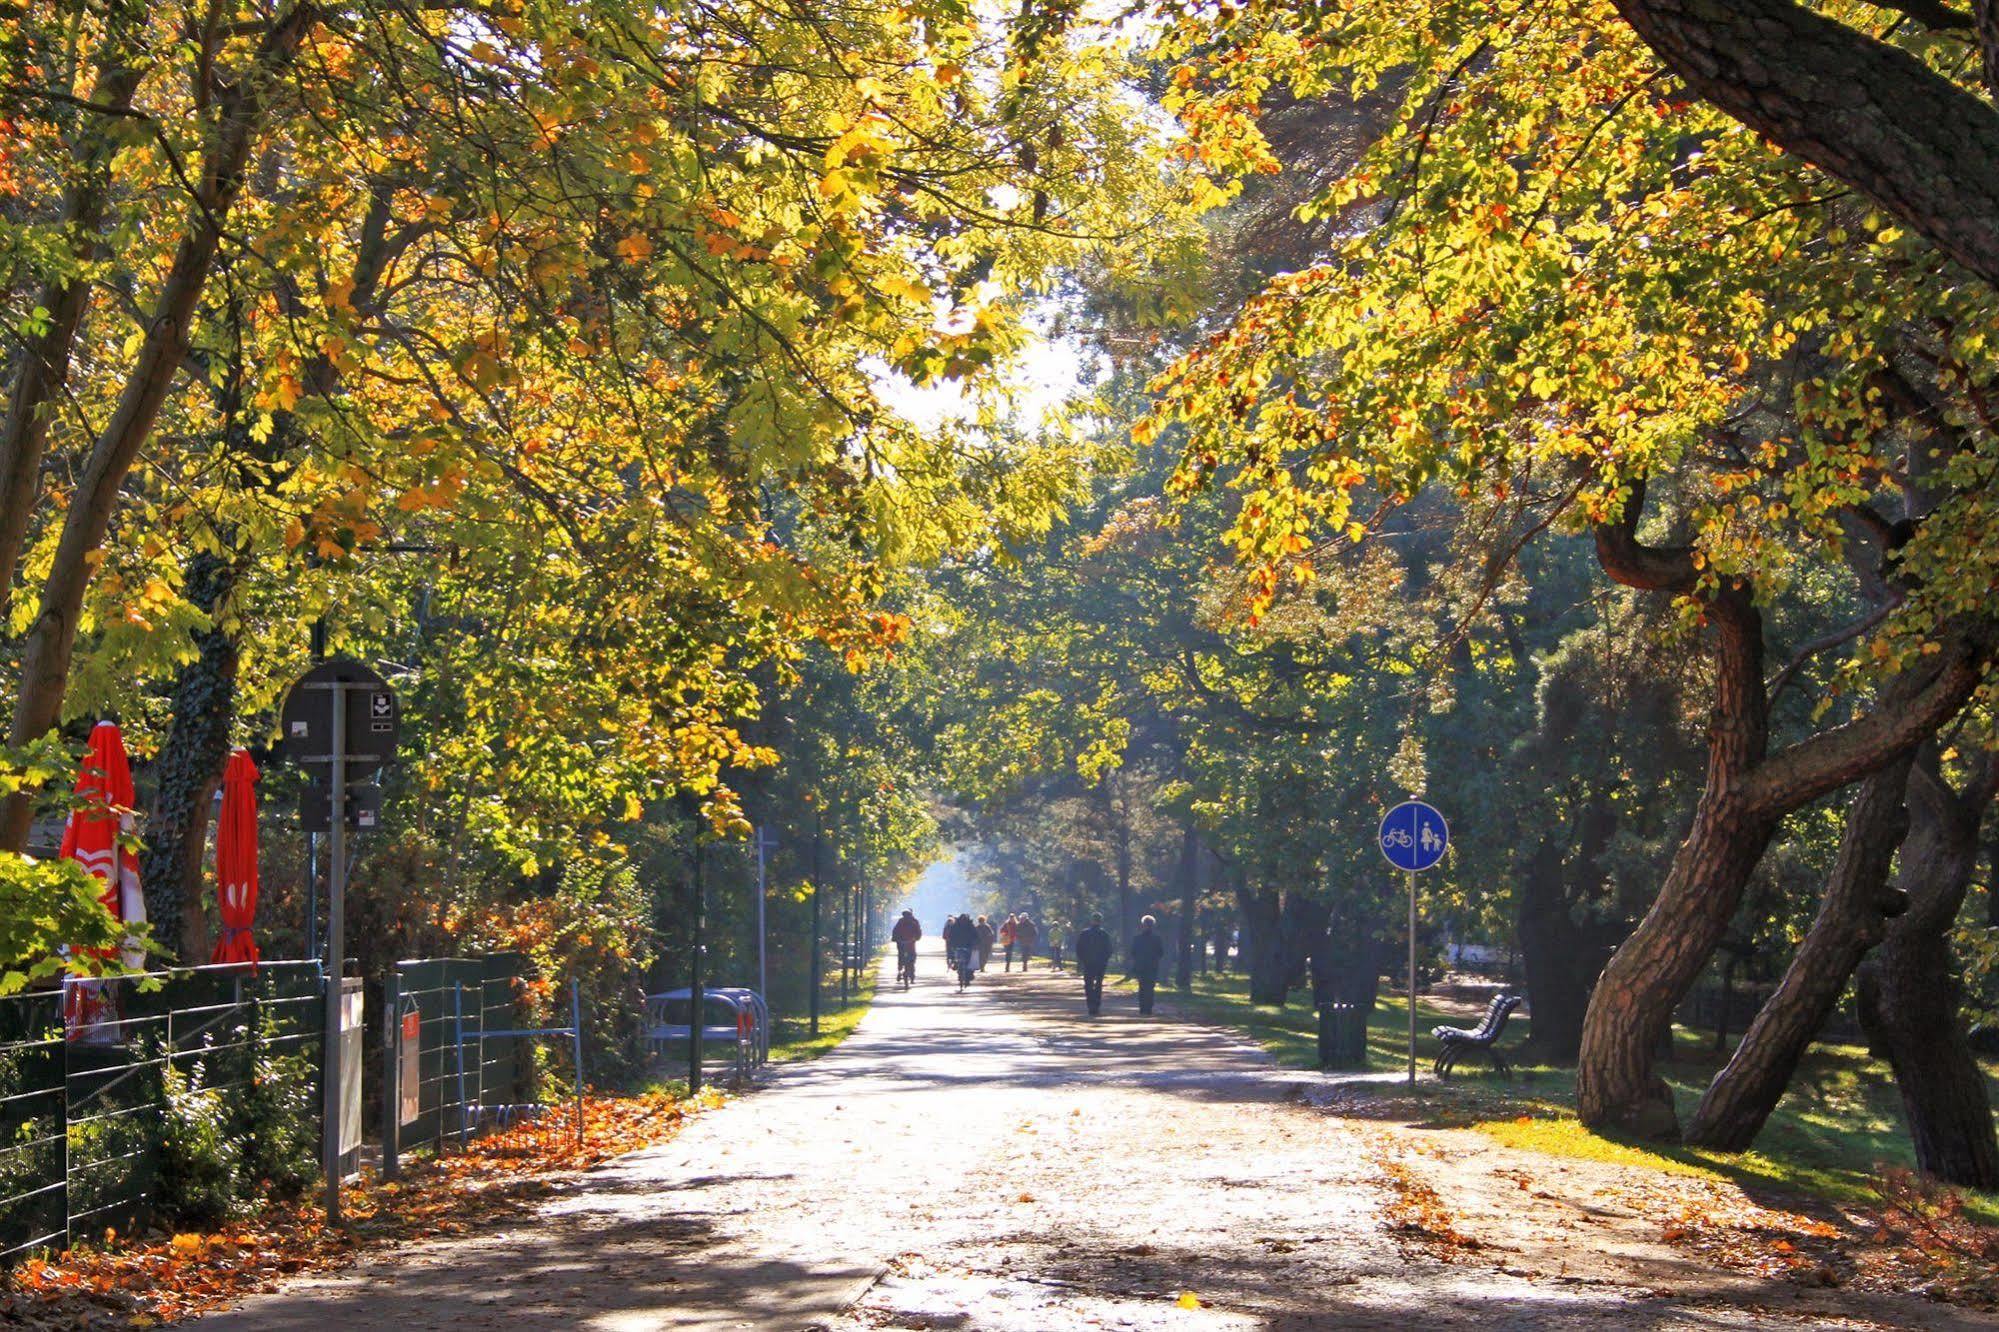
(1560, 276)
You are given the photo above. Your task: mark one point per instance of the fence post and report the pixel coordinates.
(458, 1042)
(392, 1073)
(62, 1072)
(576, 1035)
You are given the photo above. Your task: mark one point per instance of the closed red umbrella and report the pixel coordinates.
(93, 839)
(236, 861)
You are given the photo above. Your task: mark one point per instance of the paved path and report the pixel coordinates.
(995, 1160)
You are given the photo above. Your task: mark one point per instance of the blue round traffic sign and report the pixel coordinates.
(1414, 835)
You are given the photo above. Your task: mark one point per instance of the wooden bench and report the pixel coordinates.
(1484, 1038)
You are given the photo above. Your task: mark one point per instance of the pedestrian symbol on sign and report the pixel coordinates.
(1414, 836)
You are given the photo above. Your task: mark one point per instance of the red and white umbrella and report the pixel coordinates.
(97, 826)
(236, 861)
(94, 839)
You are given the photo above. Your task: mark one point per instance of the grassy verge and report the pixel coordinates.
(1837, 1127)
(795, 1040)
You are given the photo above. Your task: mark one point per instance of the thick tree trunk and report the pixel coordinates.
(188, 770)
(1303, 923)
(51, 640)
(1859, 109)
(1910, 993)
(1262, 944)
(1851, 919)
(1561, 957)
(1746, 793)
(1189, 871)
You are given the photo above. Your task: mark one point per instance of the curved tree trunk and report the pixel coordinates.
(1910, 994)
(1747, 791)
(1859, 109)
(43, 360)
(50, 642)
(1851, 919)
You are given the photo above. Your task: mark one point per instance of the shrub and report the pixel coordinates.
(200, 1153)
(276, 1117)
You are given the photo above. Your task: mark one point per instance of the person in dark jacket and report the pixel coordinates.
(961, 936)
(1147, 952)
(1093, 959)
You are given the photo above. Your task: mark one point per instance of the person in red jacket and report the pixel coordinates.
(906, 932)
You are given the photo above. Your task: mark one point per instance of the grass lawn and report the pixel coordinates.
(794, 1039)
(1839, 1123)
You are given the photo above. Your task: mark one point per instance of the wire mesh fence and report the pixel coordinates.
(449, 1078)
(88, 1072)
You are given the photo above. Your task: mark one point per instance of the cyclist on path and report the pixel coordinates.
(906, 932)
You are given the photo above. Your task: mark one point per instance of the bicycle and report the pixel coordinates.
(905, 965)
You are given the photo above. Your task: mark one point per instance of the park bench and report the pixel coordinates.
(1484, 1038)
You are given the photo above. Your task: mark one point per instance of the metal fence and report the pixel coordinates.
(446, 1069)
(83, 1084)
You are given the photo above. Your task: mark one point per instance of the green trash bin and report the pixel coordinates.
(1342, 1036)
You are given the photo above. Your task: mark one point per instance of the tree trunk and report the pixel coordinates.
(43, 368)
(1910, 993)
(1561, 957)
(51, 640)
(1861, 110)
(1303, 923)
(189, 768)
(1190, 907)
(1262, 944)
(1747, 791)
(1851, 919)
(1126, 916)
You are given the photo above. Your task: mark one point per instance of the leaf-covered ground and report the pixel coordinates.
(158, 1278)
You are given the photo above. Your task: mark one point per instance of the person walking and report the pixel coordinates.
(962, 938)
(1007, 937)
(986, 936)
(1148, 950)
(1093, 959)
(1025, 935)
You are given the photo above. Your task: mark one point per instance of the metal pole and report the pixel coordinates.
(1412, 978)
(846, 939)
(458, 1044)
(696, 1000)
(763, 973)
(312, 895)
(576, 1032)
(336, 924)
(818, 846)
(392, 1073)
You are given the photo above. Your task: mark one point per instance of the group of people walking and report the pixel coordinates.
(969, 943)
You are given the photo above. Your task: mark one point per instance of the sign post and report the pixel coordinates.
(1414, 837)
(341, 715)
(765, 844)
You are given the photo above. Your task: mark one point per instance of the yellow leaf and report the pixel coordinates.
(1188, 1300)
